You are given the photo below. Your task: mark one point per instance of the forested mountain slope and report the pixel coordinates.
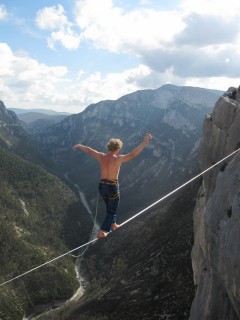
(40, 218)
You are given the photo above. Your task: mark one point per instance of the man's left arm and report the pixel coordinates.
(134, 153)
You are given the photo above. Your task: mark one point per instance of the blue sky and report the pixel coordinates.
(64, 55)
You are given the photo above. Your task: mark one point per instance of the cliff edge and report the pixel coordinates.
(215, 254)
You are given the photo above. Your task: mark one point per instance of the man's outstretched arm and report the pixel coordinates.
(88, 150)
(136, 151)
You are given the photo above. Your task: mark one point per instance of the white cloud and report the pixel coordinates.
(187, 61)
(55, 19)
(219, 83)
(197, 40)
(3, 12)
(155, 36)
(102, 12)
(113, 29)
(212, 7)
(95, 87)
(204, 30)
(110, 27)
(66, 36)
(51, 18)
(26, 83)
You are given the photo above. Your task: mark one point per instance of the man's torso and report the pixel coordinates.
(110, 166)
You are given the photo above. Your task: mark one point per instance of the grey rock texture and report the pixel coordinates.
(10, 123)
(15, 138)
(215, 254)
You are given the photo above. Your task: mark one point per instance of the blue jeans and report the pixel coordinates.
(109, 190)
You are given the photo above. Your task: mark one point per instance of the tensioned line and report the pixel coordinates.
(125, 222)
(45, 263)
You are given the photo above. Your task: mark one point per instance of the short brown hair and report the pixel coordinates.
(114, 144)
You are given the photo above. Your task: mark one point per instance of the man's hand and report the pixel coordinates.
(76, 147)
(147, 138)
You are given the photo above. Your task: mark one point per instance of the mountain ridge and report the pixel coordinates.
(38, 119)
(43, 111)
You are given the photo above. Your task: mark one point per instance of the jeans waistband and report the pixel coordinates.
(107, 181)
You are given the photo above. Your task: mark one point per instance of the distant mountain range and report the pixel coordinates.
(38, 119)
(42, 111)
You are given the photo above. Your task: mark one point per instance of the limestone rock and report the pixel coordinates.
(215, 254)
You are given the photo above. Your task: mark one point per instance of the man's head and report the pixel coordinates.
(114, 145)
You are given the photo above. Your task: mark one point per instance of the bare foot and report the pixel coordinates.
(102, 234)
(114, 226)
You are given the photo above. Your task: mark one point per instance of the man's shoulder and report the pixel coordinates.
(121, 157)
(101, 154)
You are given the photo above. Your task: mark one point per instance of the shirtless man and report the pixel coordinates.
(110, 164)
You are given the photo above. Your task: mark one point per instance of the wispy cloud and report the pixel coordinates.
(66, 36)
(113, 29)
(25, 79)
(52, 18)
(3, 12)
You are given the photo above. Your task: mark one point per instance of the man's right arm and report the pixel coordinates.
(88, 150)
(136, 151)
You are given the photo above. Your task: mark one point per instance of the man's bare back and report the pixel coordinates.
(110, 166)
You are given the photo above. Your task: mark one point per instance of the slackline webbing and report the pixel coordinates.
(125, 222)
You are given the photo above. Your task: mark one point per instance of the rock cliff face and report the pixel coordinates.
(15, 138)
(9, 123)
(215, 255)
